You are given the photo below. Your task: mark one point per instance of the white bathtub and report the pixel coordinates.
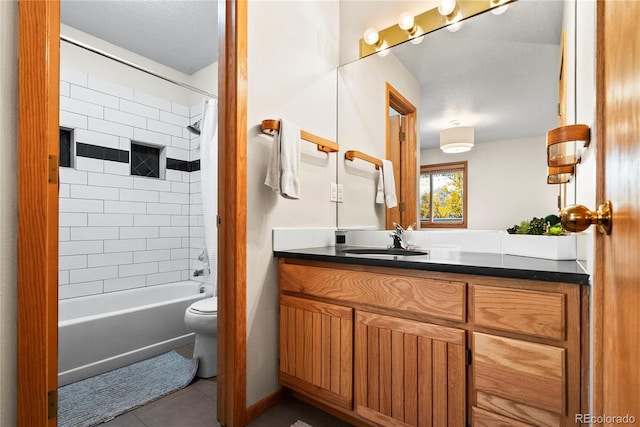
(99, 333)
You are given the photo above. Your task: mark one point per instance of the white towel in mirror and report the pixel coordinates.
(390, 197)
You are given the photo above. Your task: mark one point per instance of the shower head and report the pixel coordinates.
(194, 128)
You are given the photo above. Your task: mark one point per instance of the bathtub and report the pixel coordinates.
(99, 333)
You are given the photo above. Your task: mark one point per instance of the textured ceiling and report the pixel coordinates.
(181, 34)
(498, 74)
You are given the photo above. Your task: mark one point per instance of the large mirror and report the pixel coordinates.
(499, 75)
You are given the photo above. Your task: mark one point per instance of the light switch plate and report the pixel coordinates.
(340, 193)
(334, 192)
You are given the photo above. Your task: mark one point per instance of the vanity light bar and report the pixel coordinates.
(427, 22)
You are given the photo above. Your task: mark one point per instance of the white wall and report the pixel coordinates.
(8, 211)
(293, 55)
(362, 108)
(506, 182)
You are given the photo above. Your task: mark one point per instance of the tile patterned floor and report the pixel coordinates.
(195, 406)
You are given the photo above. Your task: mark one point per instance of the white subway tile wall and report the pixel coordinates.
(119, 232)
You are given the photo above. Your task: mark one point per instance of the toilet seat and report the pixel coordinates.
(205, 306)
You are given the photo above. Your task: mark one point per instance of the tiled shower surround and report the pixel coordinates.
(119, 231)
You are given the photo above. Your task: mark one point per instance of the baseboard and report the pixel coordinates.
(262, 406)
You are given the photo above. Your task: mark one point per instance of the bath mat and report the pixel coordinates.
(300, 424)
(101, 398)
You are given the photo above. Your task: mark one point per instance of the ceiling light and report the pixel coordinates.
(497, 9)
(457, 139)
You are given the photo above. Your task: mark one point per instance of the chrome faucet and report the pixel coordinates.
(398, 237)
(204, 258)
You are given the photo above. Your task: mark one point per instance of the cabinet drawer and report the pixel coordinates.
(439, 298)
(516, 411)
(482, 418)
(534, 313)
(521, 371)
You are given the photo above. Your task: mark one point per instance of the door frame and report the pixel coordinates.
(38, 135)
(407, 191)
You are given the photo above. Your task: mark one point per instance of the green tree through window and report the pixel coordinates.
(443, 195)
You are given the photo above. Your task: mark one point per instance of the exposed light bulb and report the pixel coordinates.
(455, 26)
(500, 10)
(446, 7)
(496, 8)
(383, 50)
(406, 21)
(371, 37)
(416, 40)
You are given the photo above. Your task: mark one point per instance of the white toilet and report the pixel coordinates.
(202, 318)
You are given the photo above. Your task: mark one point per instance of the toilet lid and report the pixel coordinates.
(205, 306)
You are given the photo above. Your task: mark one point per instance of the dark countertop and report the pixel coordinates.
(478, 263)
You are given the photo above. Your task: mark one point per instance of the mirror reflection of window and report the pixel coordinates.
(443, 195)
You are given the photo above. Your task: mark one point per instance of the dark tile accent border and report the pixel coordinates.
(101, 153)
(65, 148)
(183, 165)
(122, 156)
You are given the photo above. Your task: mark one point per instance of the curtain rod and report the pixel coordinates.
(133, 65)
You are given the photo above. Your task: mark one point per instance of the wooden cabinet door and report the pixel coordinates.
(316, 349)
(409, 373)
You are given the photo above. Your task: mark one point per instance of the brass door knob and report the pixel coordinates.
(579, 218)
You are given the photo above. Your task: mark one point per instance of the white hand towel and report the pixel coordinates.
(389, 184)
(380, 190)
(284, 163)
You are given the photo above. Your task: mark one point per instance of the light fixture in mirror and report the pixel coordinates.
(560, 175)
(457, 139)
(564, 144)
(498, 7)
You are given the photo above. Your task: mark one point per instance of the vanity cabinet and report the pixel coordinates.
(316, 348)
(408, 372)
(526, 354)
(402, 347)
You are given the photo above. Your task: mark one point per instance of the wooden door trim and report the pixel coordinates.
(232, 203)
(598, 269)
(395, 100)
(38, 124)
(38, 135)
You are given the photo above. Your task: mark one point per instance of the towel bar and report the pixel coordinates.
(352, 154)
(269, 126)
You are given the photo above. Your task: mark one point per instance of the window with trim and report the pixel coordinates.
(443, 195)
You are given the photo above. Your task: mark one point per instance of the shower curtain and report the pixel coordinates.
(209, 183)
